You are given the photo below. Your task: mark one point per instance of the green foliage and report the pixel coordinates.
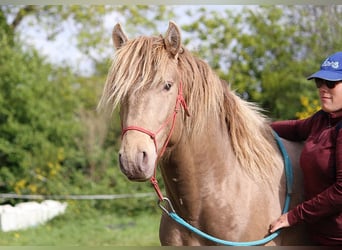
(266, 52)
(52, 140)
(37, 126)
(210, 36)
(5, 31)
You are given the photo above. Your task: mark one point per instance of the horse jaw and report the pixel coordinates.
(137, 156)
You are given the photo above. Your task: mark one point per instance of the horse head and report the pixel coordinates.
(144, 80)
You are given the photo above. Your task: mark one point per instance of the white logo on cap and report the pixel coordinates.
(332, 64)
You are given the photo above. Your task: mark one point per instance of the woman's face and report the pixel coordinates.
(331, 98)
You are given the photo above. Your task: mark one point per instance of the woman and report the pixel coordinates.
(321, 159)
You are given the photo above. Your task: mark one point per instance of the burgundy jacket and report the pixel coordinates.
(321, 164)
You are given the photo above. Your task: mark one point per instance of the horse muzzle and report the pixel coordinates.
(137, 162)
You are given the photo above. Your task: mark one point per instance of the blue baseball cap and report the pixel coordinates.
(331, 68)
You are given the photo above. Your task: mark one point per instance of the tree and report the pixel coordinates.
(52, 140)
(269, 50)
(87, 23)
(37, 124)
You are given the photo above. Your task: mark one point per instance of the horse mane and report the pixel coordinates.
(250, 134)
(143, 61)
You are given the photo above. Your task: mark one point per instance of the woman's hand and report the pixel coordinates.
(281, 222)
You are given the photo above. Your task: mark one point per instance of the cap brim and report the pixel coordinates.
(326, 75)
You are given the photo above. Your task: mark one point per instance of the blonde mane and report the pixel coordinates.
(250, 134)
(142, 62)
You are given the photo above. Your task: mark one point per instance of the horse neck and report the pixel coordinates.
(197, 167)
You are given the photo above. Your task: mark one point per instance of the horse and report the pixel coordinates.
(221, 166)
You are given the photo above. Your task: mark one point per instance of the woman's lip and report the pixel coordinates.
(325, 97)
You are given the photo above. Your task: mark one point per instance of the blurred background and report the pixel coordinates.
(53, 65)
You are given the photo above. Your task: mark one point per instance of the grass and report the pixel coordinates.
(97, 229)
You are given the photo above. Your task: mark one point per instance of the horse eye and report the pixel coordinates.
(167, 86)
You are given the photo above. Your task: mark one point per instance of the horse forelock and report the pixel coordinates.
(139, 64)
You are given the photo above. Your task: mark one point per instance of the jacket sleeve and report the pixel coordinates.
(293, 130)
(326, 203)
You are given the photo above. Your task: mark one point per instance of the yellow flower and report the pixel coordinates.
(309, 107)
(33, 188)
(60, 154)
(19, 186)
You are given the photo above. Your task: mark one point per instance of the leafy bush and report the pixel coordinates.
(37, 123)
(52, 141)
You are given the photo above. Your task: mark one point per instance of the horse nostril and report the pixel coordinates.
(120, 159)
(145, 157)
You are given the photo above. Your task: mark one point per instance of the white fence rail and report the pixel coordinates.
(75, 197)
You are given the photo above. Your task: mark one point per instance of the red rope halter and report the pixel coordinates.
(180, 102)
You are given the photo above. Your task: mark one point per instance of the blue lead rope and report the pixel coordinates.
(289, 182)
(182, 222)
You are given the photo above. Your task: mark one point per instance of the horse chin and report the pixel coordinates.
(136, 176)
(136, 179)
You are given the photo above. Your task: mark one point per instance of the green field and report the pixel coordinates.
(92, 229)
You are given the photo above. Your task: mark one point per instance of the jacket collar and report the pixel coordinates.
(337, 114)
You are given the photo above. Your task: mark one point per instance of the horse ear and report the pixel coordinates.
(118, 36)
(173, 39)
